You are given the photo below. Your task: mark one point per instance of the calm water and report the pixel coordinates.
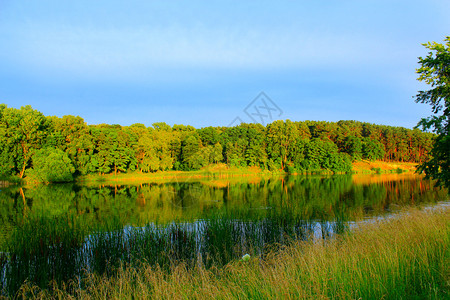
(95, 226)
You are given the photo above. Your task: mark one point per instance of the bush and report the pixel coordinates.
(377, 170)
(338, 162)
(323, 154)
(291, 170)
(51, 165)
(274, 166)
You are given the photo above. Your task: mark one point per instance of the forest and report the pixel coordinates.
(53, 149)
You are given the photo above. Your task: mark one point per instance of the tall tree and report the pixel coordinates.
(191, 146)
(71, 134)
(435, 71)
(281, 139)
(216, 153)
(23, 131)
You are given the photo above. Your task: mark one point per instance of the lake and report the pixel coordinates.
(58, 232)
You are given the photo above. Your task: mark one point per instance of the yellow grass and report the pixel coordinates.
(382, 178)
(366, 166)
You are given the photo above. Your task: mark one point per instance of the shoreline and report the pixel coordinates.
(220, 171)
(223, 171)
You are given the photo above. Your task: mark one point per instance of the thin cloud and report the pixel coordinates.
(119, 50)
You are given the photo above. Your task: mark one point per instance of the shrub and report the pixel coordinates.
(51, 165)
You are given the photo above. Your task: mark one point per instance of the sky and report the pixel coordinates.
(205, 63)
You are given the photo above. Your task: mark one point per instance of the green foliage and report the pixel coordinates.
(377, 170)
(114, 149)
(51, 165)
(337, 162)
(317, 150)
(353, 146)
(72, 135)
(434, 71)
(323, 154)
(191, 147)
(22, 132)
(153, 149)
(291, 169)
(205, 156)
(372, 149)
(216, 155)
(281, 139)
(306, 146)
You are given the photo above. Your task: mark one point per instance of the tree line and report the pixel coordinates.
(49, 148)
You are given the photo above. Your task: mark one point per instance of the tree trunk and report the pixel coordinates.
(23, 169)
(23, 197)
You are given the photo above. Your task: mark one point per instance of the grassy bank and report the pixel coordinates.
(214, 171)
(405, 257)
(223, 171)
(370, 167)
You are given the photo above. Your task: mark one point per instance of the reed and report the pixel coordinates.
(50, 249)
(45, 249)
(404, 257)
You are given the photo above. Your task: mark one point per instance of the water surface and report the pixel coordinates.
(57, 231)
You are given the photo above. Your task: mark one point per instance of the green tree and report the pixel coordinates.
(255, 152)
(337, 162)
(71, 134)
(114, 149)
(353, 146)
(216, 153)
(22, 132)
(235, 142)
(51, 165)
(281, 137)
(435, 71)
(8, 145)
(372, 149)
(191, 146)
(316, 153)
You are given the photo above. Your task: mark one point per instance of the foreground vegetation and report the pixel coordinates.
(405, 257)
(47, 249)
(434, 71)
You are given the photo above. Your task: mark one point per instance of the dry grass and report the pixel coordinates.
(367, 179)
(406, 257)
(366, 166)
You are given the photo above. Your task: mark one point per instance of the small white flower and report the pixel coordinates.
(246, 257)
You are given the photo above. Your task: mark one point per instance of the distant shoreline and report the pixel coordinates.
(222, 171)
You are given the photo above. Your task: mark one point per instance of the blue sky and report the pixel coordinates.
(202, 62)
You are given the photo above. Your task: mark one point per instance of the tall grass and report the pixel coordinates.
(43, 250)
(405, 257)
(46, 249)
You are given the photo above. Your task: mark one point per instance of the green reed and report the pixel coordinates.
(403, 257)
(43, 250)
(49, 249)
